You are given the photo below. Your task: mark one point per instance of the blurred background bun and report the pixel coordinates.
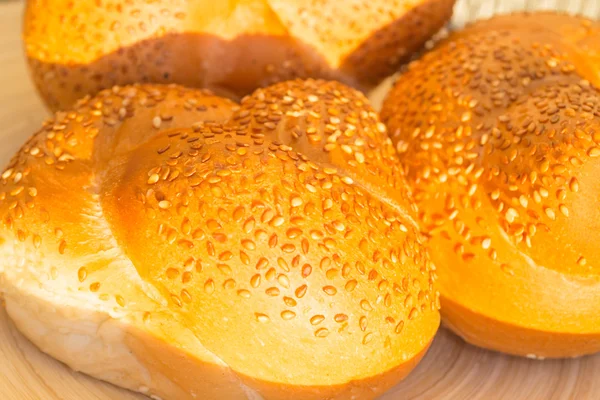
(79, 47)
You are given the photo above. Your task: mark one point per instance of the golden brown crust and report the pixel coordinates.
(231, 47)
(497, 129)
(282, 263)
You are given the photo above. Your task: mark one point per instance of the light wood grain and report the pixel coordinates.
(451, 369)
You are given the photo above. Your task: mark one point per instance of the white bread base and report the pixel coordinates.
(85, 340)
(116, 347)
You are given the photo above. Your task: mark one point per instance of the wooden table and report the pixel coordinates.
(451, 369)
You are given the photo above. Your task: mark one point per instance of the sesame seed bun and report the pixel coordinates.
(79, 47)
(175, 243)
(498, 131)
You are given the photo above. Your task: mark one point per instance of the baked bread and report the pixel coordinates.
(79, 47)
(177, 244)
(498, 129)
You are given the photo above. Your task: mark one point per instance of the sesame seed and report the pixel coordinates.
(164, 204)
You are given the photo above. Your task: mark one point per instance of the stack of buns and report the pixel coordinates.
(185, 245)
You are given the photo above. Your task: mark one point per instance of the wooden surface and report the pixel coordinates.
(451, 369)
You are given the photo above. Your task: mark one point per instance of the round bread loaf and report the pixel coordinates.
(498, 130)
(79, 47)
(175, 243)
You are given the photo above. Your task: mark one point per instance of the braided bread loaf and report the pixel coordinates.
(175, 243)
(498, 130)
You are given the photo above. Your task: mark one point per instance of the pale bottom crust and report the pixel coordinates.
(117, 351)
(157, 357)
(488, 333)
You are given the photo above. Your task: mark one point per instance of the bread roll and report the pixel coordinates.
(498, 129)
(79, 47)
(174, 243)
